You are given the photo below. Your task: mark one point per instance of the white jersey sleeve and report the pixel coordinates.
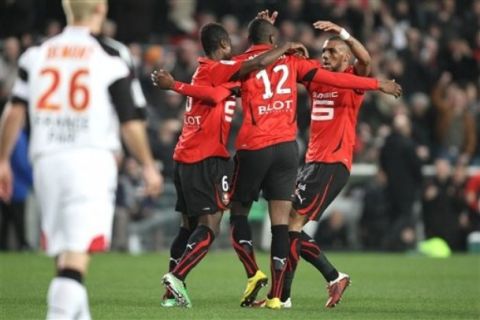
(20, 92)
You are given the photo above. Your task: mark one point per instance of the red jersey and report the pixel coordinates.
(269, 101)
(206, 127)
(333, 122)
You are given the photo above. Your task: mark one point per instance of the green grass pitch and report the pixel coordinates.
(384, 286)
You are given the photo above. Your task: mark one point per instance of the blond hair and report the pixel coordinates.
(80, 10)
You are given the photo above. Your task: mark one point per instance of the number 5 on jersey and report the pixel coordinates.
(78, 92)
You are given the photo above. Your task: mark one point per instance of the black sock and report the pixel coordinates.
(241, 237)
(278, 259)
(178, 247)
(293, 258)
(311, 252)
(197, 247)
(70, 274)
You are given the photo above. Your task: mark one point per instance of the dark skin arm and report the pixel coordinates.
(267, 58)
(363, 63)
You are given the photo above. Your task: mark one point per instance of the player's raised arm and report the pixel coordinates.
(265, 59)
(211, 95)
(344, 80)
(11, 124)
(363, 61)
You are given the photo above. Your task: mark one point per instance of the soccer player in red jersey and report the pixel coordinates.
(267, 154)
(202, 159)
(329, 156)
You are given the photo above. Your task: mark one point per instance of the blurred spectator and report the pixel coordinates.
(13, 213)
(472, 195)
(332, 232)
(455, 125)
(402, 166)
(187, 55)
(163, 145)
(8, 62)
(131, 203)
(443, 205)
(374, 219)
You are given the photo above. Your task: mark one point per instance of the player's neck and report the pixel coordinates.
(94, 27)
(216, 56)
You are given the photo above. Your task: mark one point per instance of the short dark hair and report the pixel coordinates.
(211, 35)
(259, 31)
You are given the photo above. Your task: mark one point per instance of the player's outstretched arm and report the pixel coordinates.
(210, 95)
(350, 81)
(363, 60)
(135, 137)
(11, 124)
(265, 59)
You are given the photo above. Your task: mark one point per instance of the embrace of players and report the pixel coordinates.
(265, 78)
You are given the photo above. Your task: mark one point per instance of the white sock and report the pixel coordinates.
(67, 300)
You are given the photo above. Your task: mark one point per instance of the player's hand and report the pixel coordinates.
(327, 26)
(266, 16)
(162, 79)
(6, 181)
(153, 180)
(297, 48)
(390, 87)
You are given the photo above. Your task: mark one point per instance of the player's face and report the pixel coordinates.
(333, 56)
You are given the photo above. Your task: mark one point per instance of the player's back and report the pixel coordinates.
(66, 83)
(333, 123)
(269, 102)
(206, 127)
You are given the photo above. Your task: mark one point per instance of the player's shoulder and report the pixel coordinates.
(30, 55)
(114, 49)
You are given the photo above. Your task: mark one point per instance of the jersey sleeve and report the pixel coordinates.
(125, 90)
(211, 95)
(307, 73)
(20, 91)
(224, 70)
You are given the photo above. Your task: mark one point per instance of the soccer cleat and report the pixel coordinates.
(287, 304)
(168, 303)
(336, 288)
(177, 288)
(254, 284)
(168, 300)
(273, 303)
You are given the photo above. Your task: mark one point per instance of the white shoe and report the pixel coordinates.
(287, 304)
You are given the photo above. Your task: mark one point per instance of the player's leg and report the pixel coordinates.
(177, 249)
(279, 188)
(318, 185)
(205, 197)
(250, 168)
(67, 296)
(77, 218)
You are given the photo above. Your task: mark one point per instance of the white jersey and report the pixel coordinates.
(78, 89)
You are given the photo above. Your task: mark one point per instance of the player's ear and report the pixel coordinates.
(272, 39)
(224, 44)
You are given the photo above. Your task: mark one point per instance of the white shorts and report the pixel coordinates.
(76, 192)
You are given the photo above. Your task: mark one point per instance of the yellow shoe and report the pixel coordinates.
(254, 284)
(273, 303)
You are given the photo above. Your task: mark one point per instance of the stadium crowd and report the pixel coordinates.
(432, 48)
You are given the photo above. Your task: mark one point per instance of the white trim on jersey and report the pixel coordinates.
(20, 89)
(136, 89)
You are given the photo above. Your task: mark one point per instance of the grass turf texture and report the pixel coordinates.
(385, 286)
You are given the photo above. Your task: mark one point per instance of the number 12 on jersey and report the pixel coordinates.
(267, 84)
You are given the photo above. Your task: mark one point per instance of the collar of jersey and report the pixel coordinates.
(77, 29)
(205, 60)
(259, 47)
